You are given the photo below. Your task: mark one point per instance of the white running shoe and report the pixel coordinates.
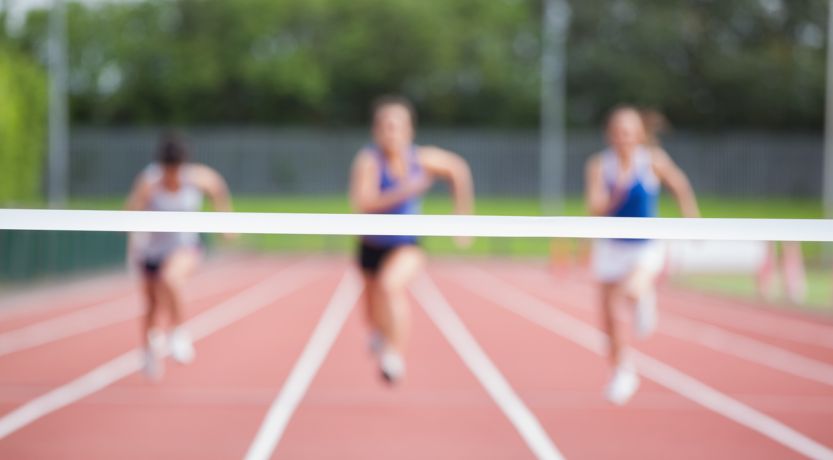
(622, 386)
(645, 316)
(154, 366)
(182, 349)
(392, 365)
(376, 342)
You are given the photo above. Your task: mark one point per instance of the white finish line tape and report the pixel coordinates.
(420, 225)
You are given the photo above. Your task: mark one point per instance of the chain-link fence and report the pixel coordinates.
(262, 161)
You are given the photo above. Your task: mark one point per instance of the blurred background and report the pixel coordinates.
(275, 95)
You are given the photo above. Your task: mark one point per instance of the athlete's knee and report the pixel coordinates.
(636, 286)
(392, 285)
(631, 293)
(171, 280)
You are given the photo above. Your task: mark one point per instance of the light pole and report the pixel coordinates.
(553, 149)
(58, 157)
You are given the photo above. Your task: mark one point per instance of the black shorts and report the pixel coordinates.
(371, 258)
(152, 266)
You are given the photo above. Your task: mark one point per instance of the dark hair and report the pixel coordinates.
(172, 150)
(390, 99)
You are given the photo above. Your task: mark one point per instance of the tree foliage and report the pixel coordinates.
(708, 63)
(22, 127)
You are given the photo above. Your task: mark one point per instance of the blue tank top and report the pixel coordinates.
(412, 205)
(642, 196)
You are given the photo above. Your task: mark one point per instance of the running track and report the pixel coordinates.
(503, 364)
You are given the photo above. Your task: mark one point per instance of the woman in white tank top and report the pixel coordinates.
(168, 259)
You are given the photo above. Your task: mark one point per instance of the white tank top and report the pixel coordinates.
(188, 198)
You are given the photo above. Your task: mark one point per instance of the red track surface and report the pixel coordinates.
(214, 407)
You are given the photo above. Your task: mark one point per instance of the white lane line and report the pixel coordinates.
(251, 300)
(42, 297)
(579, 332)
(102, 315)
(736, 314)
(729, 343)
(93, 289)
(795, 330)
(745, 348)
(68, 325)
(283, 407)
(478, 362)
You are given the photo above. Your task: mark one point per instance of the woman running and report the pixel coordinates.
(167, 259)
(389, 177)
(624, 181)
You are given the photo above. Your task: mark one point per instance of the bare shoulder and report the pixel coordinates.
(146, 177)
(432, 151)
(364, 160)
(594, 162)
(660, 159)
(364, 155)
(430, 155)
(201, 169)
(204, 175)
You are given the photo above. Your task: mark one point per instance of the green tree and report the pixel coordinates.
(22, 127)
(708, 63)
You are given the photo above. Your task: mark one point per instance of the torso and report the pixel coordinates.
(186, 198)
(642, 195)
(389, 180)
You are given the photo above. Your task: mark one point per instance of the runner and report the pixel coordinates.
(168, 259)
(389, 177)
(624, 181)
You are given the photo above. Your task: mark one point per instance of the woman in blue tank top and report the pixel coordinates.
(389, 177)
(624, 181)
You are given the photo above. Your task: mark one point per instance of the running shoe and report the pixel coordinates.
(153, 366)
(622, 386)
(392, 366)
(645, 316)
(182, 349)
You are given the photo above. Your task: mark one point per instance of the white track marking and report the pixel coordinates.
(745, 348)
(776, 327)
(94, 288)
(728, 313)
(733, 344)
(251, 300)
(283, 407)
(448, 399)
(420, 225)
(478, 362)
(579, 332)
(68, 325)
(102, 315)
(39, 298)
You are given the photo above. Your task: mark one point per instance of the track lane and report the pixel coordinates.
(230, 390)
(563, 382)
(759, 387)
(113, 290)
(439, 411)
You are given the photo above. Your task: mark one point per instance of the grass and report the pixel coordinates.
(819, 287)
